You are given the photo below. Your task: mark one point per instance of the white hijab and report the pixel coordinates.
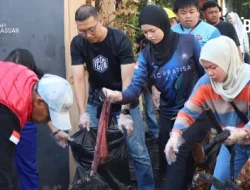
(240, 30)
(223, 52)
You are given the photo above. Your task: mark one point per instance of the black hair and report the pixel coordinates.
(210, 4)
(24, 57)
(84, 12)
(178, 4)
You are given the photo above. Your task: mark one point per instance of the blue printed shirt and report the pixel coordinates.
(203, 31)
(175, 79)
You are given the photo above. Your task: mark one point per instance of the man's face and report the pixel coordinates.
(90, 29)
(212, 15)
(188, 16)
(40, 111)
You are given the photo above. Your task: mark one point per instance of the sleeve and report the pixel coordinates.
(139, 81)
(233, 35)
(216, 33)
(197, 51)
(76, 51)
(191, 110)
(125, 52)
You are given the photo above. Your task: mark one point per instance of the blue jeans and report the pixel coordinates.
(222, 168)
(150, 114)
(25, 158)
(137, 148)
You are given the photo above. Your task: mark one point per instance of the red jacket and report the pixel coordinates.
(16, 84)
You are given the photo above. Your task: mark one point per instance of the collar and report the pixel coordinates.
(191, 28)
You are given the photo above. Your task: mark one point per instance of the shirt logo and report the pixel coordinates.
(184, 56)
(100, 63)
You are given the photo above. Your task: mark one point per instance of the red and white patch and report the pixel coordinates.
(15, 137)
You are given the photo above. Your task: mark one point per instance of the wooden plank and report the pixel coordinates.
(70, 30)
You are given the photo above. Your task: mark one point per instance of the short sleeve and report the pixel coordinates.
(125, 51)
(77, 51)
(215, 34)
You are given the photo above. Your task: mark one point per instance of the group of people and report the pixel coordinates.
(195, 65)
(191, 64)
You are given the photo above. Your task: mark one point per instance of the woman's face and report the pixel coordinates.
(215, 72)
(230, 20)
(152, 33)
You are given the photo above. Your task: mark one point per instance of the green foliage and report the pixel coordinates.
(126, 16)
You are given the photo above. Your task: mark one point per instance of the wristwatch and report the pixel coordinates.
(125, 111)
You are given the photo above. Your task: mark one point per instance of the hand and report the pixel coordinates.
(125, 121)
(112, 96)
(172, 147)
(156, 97)
(62, 138)
(237, 135)
(84, 121)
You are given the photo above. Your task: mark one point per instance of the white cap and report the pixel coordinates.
(57, 93)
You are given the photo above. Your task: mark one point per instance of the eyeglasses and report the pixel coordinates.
(91, 30)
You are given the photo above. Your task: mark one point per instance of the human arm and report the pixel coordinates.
(156, 97)
(216, 33)
(60, 136)
(78, 75)
(185, 118)
(126, 58)
(134, 90)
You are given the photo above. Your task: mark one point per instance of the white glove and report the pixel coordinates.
(172, 147)
(236, 135)
(125, 121)
(62, 138)
(84, 121)
(156, 97)
(112, 96)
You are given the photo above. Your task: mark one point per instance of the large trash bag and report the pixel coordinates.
(113, 174)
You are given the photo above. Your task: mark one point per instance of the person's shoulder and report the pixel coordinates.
(118, 36)
(187, 38)
(205, 80)
(176, 27)
(78, 38)
(227, 24)
(117, 32)
(77, 41)
(207, 26)
(190, 36)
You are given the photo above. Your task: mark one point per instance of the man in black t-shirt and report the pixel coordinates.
(211, 12)
(108, 57)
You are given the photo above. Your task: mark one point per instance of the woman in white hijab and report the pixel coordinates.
(234, 19)
(227, 80)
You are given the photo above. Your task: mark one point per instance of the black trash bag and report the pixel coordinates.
(113, 174)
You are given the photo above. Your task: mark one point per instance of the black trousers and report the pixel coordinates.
(8, 123)
(179, 174)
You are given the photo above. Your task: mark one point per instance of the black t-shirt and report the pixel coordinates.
(104, 59)
(227, 29)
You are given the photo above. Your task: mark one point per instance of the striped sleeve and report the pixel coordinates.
(247, 126)
(192, 108)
